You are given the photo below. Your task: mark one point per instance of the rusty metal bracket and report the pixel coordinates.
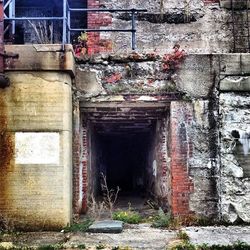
(9, 55)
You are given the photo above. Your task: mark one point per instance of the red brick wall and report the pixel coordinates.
(80, 154)
(84, 163)
(98, 20)
(180, 151)
(76, 149)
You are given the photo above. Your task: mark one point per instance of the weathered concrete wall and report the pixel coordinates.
(203, 162)
(196, 26)
(36, 192)
(234, 183)
(35, 146)
(144, 74)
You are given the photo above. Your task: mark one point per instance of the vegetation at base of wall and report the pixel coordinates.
(83, 226)
(129, 216)
(162, 219)
(189, 246)
(51, 247)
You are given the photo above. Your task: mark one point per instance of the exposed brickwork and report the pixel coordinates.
(97, 20)
(181, 150)
(84, 168)
(76, 148)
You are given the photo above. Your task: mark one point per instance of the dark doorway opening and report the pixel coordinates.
(125, 161)
(124, 154)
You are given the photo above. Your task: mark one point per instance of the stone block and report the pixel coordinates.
(108, 226)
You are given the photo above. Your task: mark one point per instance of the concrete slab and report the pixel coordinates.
(218, 235)
(107, 226)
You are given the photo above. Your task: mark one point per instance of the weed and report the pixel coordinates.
(189, 246)
(129, 216)
(83, 226)
(110, 195)
(50, 247)
(183, 236)
(95, 208)
(100, 246)
(6, 224)
(121, 248)
(162, 219)
(81, 246)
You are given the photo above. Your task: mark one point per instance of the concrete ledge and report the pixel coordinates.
(235, 83)
(235, 64)
(237, 4)
(48, 57)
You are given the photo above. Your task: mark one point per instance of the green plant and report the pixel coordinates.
(81, 246)
(100, 246)
(51, 247)
(109, 195)
(162, 219)
(129, 216)
(189, 246)
(183, 236)
(82, 227)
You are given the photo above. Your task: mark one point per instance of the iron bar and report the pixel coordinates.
(107, 10)
(64, 35)
(32, 18)
(102, 30)
(6, 5)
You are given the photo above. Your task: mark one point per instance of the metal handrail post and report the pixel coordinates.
(12, 15)
(64, 36)
(68, 22)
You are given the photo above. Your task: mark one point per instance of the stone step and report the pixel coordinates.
(106, 226)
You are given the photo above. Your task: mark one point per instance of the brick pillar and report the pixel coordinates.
(97, 20)
(180, 151)
(84, 170)
(76, 149)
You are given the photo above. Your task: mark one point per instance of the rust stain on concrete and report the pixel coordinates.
(6, 152)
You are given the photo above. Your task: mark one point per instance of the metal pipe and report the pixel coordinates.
(6, 5)
(107, 10)
(33, 18)
(64, 36)
(103, 30)
(69, 25)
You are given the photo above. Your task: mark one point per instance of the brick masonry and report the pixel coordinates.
(181, 150)
(96, 20)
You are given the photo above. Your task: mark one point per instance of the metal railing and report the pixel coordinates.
(10, 5)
